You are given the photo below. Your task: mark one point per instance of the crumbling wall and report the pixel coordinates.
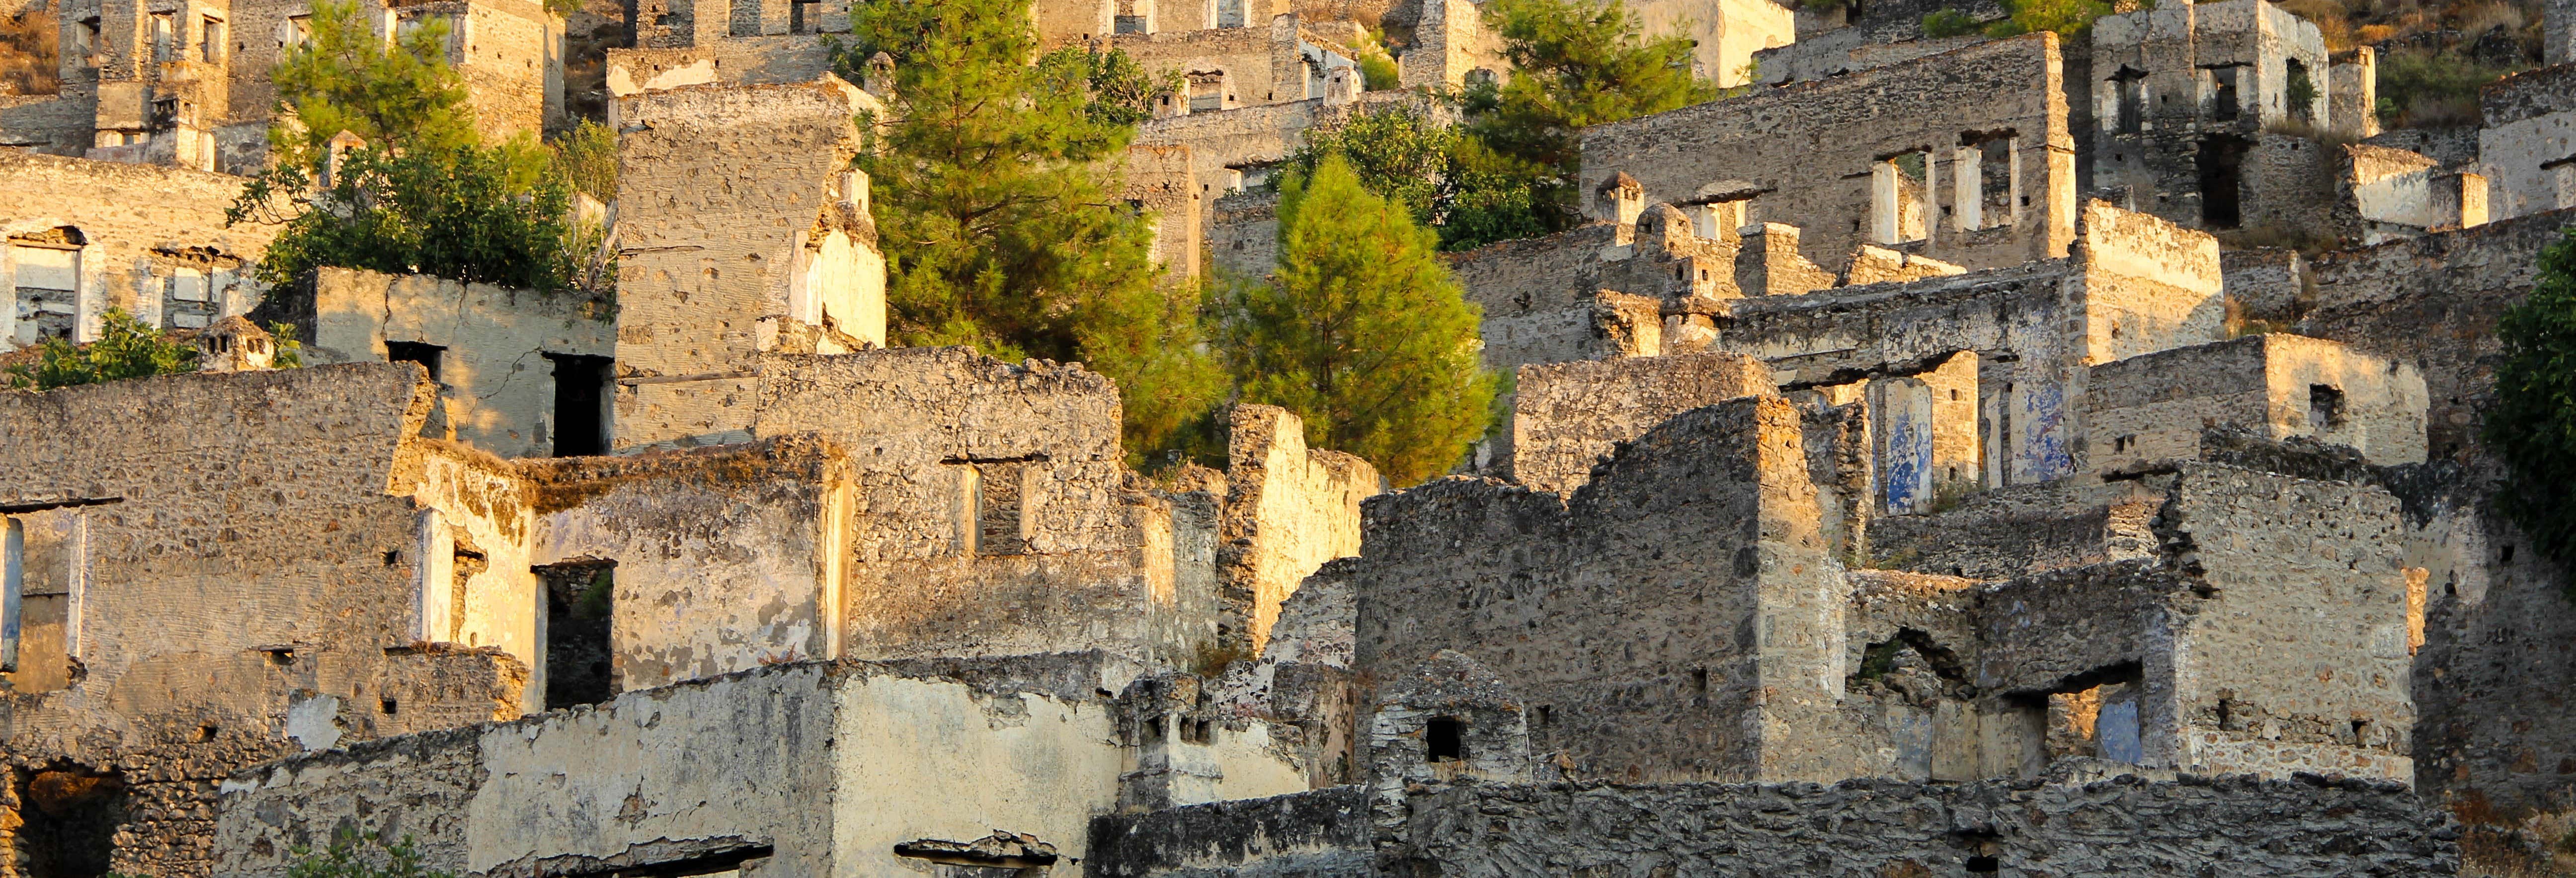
(726, 558)
(2527, 149)
(497, 388)
(1161, 179)
(1319, 832)
(2234, 826)
(1287, 510)
(995, 513)
(144, 237)
(1567, 416)
(2497, 629)
(257, 600)
(763, 60)
(711, 275)
(2021, 530)
(2153, 408)
(2263, 680)
(1726, 34)
(1816, 147)
(1256, 65)
(1449, 44)
(1674, 692)
(808, 768)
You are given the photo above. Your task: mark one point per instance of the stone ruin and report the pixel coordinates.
(1900, 478)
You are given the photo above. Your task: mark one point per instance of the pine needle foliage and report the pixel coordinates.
(1575, 64)
(1000, 229)
(401, 95)
(2532, 425)
(1361, 331)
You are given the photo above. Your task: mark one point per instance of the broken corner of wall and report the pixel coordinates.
(1288, 509)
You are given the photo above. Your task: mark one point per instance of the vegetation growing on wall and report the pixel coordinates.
(351, 855)
(998, 222)
(1361, 331)
(126, 347)
(2532, 425)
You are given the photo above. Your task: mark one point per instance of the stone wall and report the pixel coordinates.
(996, 513)
(2185, 92)
(1287, 510)
(148, 239)
(1678, 691)
(1727, 33)
(1320, 832)
(818, 768)
(1256, 65)
(1821, 152)
(1568, 416)
(709, 276)
(2497, 629)
(2527, 149)
(725, 559)
(1163, 179)
(234, 573)
(2153, 408)
(498, 388)
(2558, 32)
(2227, 826)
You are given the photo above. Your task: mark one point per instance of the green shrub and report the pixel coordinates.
(126, 347)
(2532, 425)
(2424, 88)
(352, 855)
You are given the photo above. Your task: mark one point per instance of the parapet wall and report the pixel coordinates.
(1568, 416)
(2527, 148)
(2236, 826)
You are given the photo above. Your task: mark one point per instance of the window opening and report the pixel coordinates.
(210, 46)
(427, 355)
(581, 603)
(165, 38)
(2223, 101)
(805, 17)
(2300, 91)
(48, 283)
(68, 819)
(2325, 407)
(2128, 90)
(581, 404)
(1898, 187)
(1207, 90)
(2221, 163)
(1445, 739)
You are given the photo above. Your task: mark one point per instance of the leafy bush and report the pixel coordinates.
(586, 158)
(2532, 425)
(1575, 64)
(1378, 72)
(126, 347)
(1942, 24)
(456, 214)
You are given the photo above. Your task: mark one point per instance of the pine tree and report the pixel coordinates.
(1361, 331)
(401, 95)
(1449, 181)
(998, 224)
(1575, 64)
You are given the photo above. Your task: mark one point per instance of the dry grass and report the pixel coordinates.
(30, 59)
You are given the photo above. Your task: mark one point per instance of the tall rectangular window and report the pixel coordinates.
(581, 404)
(47, 284)
(210, 44)
(165, 36)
